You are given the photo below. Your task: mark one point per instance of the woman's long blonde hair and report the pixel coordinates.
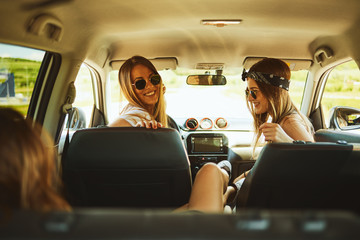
(280, 103)
(28, 176)
(159, 113)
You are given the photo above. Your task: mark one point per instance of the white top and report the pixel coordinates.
(133, 114)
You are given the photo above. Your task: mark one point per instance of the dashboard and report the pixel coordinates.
(206, 147)
(213, 139)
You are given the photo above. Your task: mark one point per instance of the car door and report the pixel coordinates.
(337, 118)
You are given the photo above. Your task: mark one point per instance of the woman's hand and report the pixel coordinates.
(243, 175)
(274, 133)
(149, 124)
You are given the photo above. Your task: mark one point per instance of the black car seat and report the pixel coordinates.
(127, 167)
(329, 135)
(303, 176)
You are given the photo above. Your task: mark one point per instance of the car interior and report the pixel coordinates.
(59, 65)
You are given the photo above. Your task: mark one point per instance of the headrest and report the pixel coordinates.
(127, 147)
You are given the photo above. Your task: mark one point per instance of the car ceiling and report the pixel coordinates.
(102, 31)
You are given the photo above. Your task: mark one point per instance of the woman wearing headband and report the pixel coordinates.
(142, 87)
(268, 98)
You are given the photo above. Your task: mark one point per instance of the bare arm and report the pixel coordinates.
(144, 123)
(274, 132)
(296, 130)
(289, 130)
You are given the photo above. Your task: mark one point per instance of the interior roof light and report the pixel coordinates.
(221, 22)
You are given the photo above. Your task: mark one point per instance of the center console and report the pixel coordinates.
(206, 147)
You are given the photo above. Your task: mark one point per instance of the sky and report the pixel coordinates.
(20, 52)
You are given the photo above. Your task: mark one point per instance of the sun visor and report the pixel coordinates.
(159, 63)
(294, 64)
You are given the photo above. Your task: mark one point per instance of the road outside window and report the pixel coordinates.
(342, 88)
(19, 68)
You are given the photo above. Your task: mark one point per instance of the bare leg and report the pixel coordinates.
(230, 191)
(210, 185)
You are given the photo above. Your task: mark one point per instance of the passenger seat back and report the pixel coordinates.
(127, 167)
(329, 135)
(304, 176)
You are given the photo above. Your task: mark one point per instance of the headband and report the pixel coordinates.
(270, 79)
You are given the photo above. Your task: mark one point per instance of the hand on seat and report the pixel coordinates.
(149, 124)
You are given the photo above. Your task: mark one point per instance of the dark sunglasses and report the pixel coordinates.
(252, 93)
(141, 83)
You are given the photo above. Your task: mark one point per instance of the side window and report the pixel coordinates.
(297, 86)
(84, 103)
(19, 68)
(116, 100)
(85, 98)
(342, 88)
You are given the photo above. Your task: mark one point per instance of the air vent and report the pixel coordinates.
(191, 124)
(221, 123)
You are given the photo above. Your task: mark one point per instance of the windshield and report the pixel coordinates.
(215, 101)
(189, 101)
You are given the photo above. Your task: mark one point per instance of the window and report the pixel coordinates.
(116, 103)
(206, 101)
(342, 88)
(85, 99)
(84, 102)
(185, 101)
(19, 68)
(297, 86)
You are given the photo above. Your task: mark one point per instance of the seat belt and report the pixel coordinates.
(67, 110)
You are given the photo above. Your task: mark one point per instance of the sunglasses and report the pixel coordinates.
(251, 92)
(141, 83)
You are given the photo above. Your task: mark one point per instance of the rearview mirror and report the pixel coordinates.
(206, 80)
(344, 118)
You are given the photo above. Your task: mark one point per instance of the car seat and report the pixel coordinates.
(329, 135)
(303, 176)
(126, 167)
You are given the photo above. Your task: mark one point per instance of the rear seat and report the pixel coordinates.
(110, 224)
(127, 167)
(304, 176)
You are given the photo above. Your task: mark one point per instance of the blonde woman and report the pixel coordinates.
(28, 177)
(268, 98)
(142, 87)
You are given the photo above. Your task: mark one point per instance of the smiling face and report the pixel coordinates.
(260, 104)
(149, 96)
